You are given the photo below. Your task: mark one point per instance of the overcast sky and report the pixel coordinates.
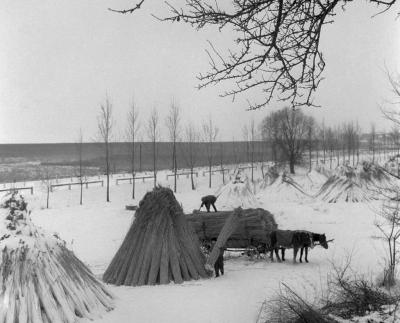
(60, 58)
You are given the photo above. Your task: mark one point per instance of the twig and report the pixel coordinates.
(131, 10)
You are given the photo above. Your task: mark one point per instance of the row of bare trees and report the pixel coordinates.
(285, 136)
(176, 133)
(290, 133)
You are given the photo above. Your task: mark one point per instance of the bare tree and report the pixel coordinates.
(292, 129)
(245, 135)
(323, 140)
(350, 134)
(192, 137)
(105, 125)
(310, 139)
(235, 154)
(252, 134)
(395, 137)
(153, 132)
(372, 140)
(132, 131)
(330, 141)
(270, 133)
(391, 108)
(389, 227)
(210, 132)
(338, 139)
(221, 161)
(173, 124)
(46, 176)
(81, 171)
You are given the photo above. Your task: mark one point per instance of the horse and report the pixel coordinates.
(297, 239)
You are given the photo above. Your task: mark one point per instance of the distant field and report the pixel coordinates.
(23, 162)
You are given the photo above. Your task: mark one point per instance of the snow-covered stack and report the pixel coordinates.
(159, 247)
(285, 187)
(312, 181)
(237, 193)
(393, 165)
(40, 279)
(270, 177)
(355, 184)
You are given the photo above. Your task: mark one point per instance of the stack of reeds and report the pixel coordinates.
(160, 246)
(253, 226)
(40, 279)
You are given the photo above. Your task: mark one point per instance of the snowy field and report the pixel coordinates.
(95, 230)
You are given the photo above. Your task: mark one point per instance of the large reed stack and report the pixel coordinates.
(40, 279)
(252, 228)
(160, 246)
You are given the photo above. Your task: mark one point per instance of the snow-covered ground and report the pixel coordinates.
(95, 230)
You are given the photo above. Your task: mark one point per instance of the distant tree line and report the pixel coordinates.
(286, 136)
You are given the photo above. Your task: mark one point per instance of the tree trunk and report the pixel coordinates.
(175, 166)
(140, 158)
(133, 166)
(291, 164)
(48, 196)
(209, 165)
(108, 172)
(191, 177)
(154, 164)
(80, 200)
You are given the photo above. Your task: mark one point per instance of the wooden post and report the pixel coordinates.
(226, 231)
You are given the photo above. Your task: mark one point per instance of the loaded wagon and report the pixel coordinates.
(251, 227)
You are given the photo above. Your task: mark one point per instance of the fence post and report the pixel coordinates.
(31, 190)
(69, 186)
(102, 183)
(116, 181)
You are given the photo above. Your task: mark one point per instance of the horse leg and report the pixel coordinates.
(295, 250)
(283, 254)
(277, 255)
(306, 254)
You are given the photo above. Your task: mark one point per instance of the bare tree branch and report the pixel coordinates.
(131, 10)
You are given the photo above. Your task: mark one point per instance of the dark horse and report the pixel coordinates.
(284, 239)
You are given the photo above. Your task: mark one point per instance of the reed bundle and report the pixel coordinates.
(40, 279)
(160, 246)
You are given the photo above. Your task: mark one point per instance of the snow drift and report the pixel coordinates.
(41, 280)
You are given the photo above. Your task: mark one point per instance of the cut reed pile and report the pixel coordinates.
(160, 246)
(237, 193)
(356, 184)
(251, 228)
(40, 279)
